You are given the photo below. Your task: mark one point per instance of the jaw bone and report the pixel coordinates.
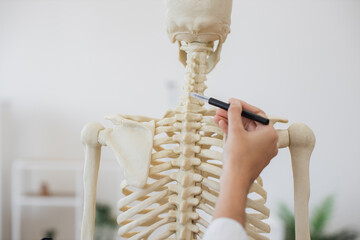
(204, 21)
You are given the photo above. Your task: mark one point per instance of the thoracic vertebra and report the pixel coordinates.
(186, 166)
(172, 165)
(177, 195)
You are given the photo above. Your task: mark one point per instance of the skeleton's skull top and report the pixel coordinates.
(198, 20)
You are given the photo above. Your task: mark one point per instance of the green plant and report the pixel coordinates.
(321, 217)
(288, 220)
(318, 222)
(105, 224)
(50, 234)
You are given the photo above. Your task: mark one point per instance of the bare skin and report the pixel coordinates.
(248, 149)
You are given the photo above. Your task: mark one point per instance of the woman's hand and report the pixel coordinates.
(250, 145)
(248, 149)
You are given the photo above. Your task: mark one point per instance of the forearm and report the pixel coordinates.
(234, 188)
(249, 147)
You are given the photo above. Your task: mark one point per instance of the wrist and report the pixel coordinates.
(235, 175)
(232, 197)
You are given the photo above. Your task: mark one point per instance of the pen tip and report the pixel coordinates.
(199, 96)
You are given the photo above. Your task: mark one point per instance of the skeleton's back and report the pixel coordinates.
(172, 165)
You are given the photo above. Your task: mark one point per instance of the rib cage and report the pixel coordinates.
(183, 182)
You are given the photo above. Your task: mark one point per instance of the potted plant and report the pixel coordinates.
(105, 224)
(318, 222)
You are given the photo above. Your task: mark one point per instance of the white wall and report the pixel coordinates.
(65, 63)
(1, 164)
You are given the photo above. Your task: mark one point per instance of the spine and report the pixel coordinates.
(190, 111)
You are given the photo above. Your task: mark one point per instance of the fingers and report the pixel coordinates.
(249, 107)
(234, 116)
(248, 124)
(273, 137)
(224, 126)
(222, 122)
(217, 119)
(221, 112)
(245, 105)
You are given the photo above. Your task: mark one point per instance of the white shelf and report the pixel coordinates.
(50, 165)
(54, 201)
(22, 199)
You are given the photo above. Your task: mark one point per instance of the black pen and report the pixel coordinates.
(225, 106)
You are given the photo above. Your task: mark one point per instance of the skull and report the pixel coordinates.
(198, 20)
(204, 21)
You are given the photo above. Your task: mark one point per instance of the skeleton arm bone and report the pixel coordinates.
(89, 137)
(301, 141)
(93, 137)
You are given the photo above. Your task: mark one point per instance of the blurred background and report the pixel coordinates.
(65, 63)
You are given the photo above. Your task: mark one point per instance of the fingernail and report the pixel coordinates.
(235, 103)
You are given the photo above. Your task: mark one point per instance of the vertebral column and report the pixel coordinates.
(189, 116)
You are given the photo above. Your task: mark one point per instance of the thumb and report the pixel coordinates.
(234, 115)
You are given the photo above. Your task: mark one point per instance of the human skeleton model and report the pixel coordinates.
(172, 165)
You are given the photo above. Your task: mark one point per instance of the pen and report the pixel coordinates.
(225, 106)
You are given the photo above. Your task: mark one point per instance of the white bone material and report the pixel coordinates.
(124, 140)
(89, 137)
(301, 145)
(198, 21)
(174, 193)
(204, 21)
(184, 170)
